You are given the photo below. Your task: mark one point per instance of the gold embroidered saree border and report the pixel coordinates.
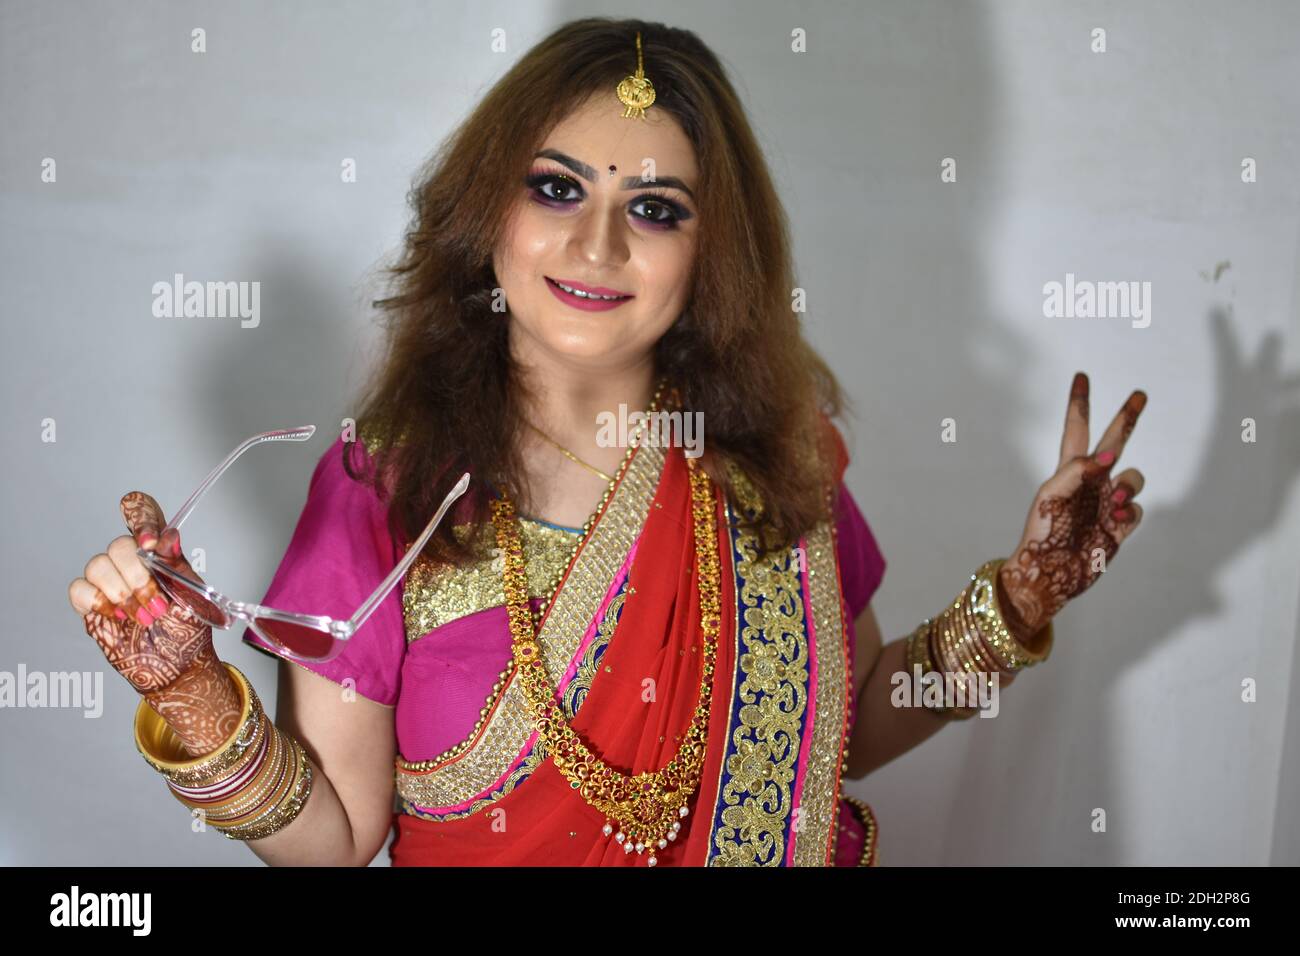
(580, 686)
(819, 799)
(753, 809)
(505, 734)
(729, 516)
(754, 803)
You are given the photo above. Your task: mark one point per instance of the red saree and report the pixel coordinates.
(621, 641)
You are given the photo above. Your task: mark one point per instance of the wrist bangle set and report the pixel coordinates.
(970, 637)
(250, 787)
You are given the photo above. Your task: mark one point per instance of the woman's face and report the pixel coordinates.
(587, 219)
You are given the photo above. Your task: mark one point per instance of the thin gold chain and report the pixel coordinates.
(570, 455)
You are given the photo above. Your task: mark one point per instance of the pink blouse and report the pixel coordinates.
(341, 550)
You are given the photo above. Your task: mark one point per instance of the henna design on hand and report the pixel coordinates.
(153, 657)
(1072, 520)
(202, 705)
(142, 514)
(1046, 573)
(172, 663)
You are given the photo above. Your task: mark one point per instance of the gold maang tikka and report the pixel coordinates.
(636, 92)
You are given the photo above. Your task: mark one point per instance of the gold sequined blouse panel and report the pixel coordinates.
(439, 593)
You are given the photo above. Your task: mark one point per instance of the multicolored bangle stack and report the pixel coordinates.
(971, 637)
(253, 785)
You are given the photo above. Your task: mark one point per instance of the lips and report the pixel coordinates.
(592, 299)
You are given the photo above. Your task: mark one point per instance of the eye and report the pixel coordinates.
(554, 188)
(663, 211)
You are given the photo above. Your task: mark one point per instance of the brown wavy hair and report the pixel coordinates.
(447, 397)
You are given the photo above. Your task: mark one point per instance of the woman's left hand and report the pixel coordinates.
(1077, 521)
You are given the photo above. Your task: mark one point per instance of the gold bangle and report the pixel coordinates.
(919, 651)
(960, 649)
(953, 677)
(286, 809)
(163, 750)
(969, 637)
(870, 855)
(963, 680)
(981, 657)
(254, 794)
(957, 638)
(278, 784)
(917, 654)
(271, 799)
(949, 646)
(986, 609)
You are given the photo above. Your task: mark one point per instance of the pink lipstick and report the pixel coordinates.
(591, 299)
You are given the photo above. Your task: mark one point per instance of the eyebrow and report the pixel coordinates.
(628, 182)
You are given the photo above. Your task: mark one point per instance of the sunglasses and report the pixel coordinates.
(304, 637)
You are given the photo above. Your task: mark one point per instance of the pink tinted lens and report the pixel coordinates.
(182, 593)
(303, 641)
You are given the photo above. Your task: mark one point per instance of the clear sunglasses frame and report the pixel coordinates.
(338, 630)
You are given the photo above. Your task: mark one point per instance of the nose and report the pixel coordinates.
(599, 239)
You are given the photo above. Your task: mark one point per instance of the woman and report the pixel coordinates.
(622, 650)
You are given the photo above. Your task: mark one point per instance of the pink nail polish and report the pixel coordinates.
(119, 614)
(1119, 495)
(143, 617)
(1105, 458)
(157, 606)
(1118, 514)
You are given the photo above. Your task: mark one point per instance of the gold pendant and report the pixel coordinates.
(636, 92)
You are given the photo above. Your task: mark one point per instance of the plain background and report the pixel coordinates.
(926, 296)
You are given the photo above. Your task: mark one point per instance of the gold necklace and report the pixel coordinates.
(591, 468)
(646, 808)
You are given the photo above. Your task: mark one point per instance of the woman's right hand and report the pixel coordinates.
(149, 640)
